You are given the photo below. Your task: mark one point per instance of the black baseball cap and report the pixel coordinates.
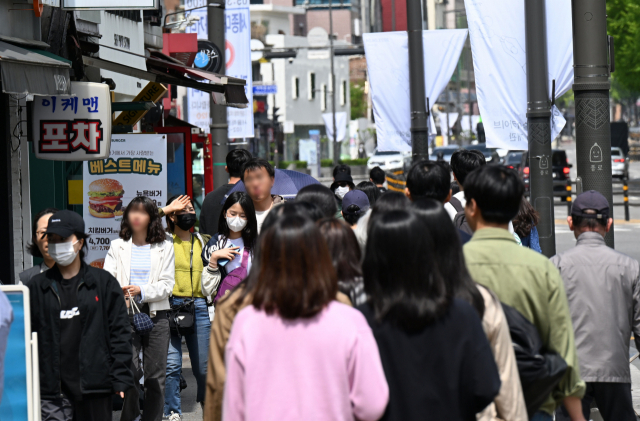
(358, 198)
(341, 177)
(591, 201)
(65, 223)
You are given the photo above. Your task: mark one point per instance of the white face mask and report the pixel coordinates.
(63, 253)
(236, 224)
(341, 191)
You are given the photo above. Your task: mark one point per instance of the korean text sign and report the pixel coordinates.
(73, 128)
(198, 101)
(137, 166)
(238, 58)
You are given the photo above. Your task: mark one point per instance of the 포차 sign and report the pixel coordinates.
(73, 128)
(137, 166)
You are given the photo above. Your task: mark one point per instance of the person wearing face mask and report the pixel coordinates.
(342, 184)
(39, 246)
(84, 336)
(188, 273)
(142, 260)
(229, 253)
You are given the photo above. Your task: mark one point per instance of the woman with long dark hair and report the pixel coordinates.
(346, 257)
(436, 357)
(230, 251)
(187, 294)
(524, 224)
(294, 340)
(509, 404)
(142, 261)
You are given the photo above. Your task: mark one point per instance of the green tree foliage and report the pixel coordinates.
(623, 20)
(358, 101)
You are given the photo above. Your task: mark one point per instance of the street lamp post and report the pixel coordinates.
(336, 147)
(591, 88)
(538, 123)
(218, 113)
(419, 112)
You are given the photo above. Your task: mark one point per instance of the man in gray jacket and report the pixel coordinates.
(603, 290)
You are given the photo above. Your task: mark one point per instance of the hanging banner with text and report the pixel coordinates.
(387, 55)
(497, 31)
(137, 166)
(237, 35)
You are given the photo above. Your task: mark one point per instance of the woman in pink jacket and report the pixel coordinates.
(295, 353)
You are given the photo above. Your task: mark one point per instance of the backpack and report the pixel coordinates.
(234, 277)
(460, 220)
(540, 370)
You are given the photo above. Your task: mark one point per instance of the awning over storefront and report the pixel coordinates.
(29, 72)
(227, 91)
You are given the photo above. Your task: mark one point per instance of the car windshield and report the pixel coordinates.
(615, 152)
(445, 150)
(380, 153)
(558, 158)
(514, 158)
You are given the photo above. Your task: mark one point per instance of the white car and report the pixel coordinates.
(388, 160)
(619, 163)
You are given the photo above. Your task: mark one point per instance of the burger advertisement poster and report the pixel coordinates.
(136, 166)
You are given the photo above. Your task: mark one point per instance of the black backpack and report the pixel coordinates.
(540, 370)
(460, 220)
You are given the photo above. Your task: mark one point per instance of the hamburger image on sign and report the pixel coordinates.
(105, 198)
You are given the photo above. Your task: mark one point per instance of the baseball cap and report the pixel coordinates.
(355, 197)
(340, 177)
(591, 200)
(65, 223)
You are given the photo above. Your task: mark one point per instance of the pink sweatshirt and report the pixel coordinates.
(324, 368)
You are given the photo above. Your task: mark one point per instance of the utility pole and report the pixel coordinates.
(538, 123)
(336, 147)
(218, 113)
(591, 88)
(419, 112)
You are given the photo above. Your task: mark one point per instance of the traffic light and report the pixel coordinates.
(275, 115)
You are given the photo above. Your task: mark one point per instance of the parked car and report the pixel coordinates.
(619, 163)
(513, 160)
(561, 173)
(387, 160)
(446, 152)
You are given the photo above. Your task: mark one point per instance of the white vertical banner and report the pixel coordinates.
(198, 102)
(497, 32)
(137, 166)
(341, 125)
(238, 61)
(387, 55)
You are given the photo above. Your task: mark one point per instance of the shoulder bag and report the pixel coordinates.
(182, 318)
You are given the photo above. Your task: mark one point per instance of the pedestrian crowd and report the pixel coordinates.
(345, 303)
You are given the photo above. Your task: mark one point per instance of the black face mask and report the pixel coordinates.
(186, 221)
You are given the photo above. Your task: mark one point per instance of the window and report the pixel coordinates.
(343, 93)
(295, 87)
(312, 86)
(323, 98)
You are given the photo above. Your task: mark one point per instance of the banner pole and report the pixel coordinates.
(419, 112)
(538, 123)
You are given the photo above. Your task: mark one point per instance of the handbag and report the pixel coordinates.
(234, 277)
(182, 319)
(540, 370)
(142, 323)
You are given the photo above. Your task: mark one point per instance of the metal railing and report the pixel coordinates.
(624, 193)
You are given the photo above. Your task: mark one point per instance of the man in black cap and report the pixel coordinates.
(355, 205)
(603, 289)
(84, 336)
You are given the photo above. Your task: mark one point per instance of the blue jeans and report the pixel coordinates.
(541, 416)
(198, 346)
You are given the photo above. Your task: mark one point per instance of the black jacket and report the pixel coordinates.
(105, 344)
